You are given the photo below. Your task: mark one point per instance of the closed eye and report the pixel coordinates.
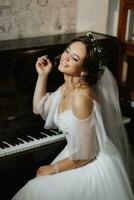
(75, 59)
(74, 55)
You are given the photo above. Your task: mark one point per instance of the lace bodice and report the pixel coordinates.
(62, 120)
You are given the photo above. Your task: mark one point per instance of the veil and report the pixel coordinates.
(107, 91)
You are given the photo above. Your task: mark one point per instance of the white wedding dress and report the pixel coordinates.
(102, 179)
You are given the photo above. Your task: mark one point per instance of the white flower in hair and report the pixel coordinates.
(89, 34)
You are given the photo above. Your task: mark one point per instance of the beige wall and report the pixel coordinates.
(30, 18)
(92, 15)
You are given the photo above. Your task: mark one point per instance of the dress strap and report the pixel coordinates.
(81, 93)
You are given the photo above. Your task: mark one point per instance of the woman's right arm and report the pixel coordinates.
(43, 68)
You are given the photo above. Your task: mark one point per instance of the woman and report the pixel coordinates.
(90, 166)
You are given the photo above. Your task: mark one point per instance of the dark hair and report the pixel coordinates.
(94, 62)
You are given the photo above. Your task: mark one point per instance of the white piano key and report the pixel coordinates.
(2, 152)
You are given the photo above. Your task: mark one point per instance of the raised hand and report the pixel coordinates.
(43, 65)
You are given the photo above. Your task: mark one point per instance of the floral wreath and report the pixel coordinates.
(98, 50)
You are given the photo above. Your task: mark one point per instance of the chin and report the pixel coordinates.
(61, 68)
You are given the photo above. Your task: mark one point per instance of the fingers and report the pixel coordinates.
(43, 65)
(43, 60)
(41, 171)
(38, 172)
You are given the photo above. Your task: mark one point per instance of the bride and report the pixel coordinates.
(86, 109)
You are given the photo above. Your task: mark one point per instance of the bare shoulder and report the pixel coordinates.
(83, 102)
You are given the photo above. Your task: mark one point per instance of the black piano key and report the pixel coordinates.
(36, 136)
(26, 138)
(12, 141)
(6, 145)
(20, 141)
(45, 136)
(3, 145)
(48, 132)
(42, 136)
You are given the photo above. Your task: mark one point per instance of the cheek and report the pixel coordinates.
(77, 68)
(78, 65)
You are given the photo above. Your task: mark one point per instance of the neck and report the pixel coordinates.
(72, 81)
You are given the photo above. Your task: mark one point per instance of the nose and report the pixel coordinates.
(66, 56)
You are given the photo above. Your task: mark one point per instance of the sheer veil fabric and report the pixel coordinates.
(107, 91)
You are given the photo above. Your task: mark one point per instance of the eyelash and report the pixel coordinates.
(75, 59)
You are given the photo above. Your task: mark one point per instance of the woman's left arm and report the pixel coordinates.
(60, 166)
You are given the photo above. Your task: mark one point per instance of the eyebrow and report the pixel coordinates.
(74, 53)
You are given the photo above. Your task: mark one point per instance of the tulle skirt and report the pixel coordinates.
(103, 179)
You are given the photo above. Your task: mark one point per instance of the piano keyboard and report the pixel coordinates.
(32, 139)
(29, 141)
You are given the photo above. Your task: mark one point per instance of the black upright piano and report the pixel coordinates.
(24, 143)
